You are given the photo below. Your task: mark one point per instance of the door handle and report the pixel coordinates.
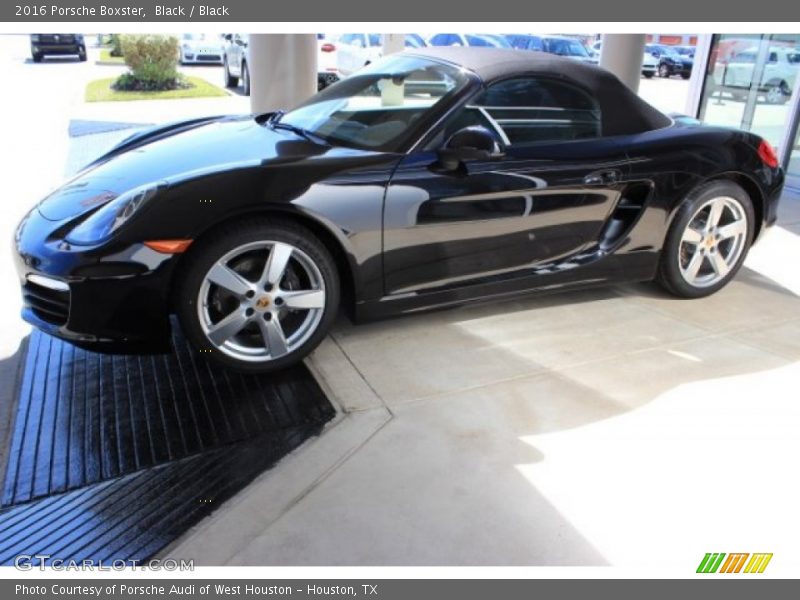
(603, 177)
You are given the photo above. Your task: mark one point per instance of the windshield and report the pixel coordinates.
(566, 47)
(378, 106)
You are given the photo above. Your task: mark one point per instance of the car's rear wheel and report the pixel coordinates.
(707, 241)
(258, 296)
(82, 53)
(230, 80)
(37, 57)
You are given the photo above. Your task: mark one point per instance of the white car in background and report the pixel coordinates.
(777, 80)
(355, 50)
(649, 62)
(236, 60)
(205, 48)
(327, 61)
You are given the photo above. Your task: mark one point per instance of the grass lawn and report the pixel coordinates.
(105, 56)
(100, 91)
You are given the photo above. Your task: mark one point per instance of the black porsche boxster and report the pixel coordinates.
(428, 178)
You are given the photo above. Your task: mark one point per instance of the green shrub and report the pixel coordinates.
(116, 44)
(153, 62)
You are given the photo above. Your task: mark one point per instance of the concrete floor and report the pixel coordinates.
(610, 427)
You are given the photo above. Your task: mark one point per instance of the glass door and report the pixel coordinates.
(749, 83)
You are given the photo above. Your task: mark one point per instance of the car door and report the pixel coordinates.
(514, 215)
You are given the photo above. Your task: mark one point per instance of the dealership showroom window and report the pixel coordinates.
(508, 302)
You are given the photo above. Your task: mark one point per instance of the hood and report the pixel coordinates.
(183, 153)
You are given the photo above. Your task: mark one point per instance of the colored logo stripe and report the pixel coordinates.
(710, 562)
(733, 564)
(758, 563)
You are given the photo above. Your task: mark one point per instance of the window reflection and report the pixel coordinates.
(749, 83)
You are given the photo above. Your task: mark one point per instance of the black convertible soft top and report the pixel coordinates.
(623, 112)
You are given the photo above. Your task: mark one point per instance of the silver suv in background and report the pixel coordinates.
(777, 79)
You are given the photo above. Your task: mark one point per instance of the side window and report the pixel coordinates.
(531, 110)
(773, 57)
(440, 39)
(375, 39)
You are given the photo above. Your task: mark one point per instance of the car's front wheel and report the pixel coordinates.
(258, 296)
(707, 241)
(663, 71)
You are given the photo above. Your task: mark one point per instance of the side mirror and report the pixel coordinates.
(470, 143)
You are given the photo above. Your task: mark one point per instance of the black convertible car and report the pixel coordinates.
(428, 178)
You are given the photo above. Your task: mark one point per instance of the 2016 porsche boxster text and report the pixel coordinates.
(429, 178)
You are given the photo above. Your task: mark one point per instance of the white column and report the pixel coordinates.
(622, 54)
(283, 70)
(393, 42)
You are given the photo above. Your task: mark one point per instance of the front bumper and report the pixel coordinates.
(211, 57)
(57, 49)
(105, 299)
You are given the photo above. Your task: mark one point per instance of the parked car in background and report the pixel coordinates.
(57, 44)
(670, 62)
(236, 61)
(777, 79)
(201, 48)
(568, 48)
(649, 62)
(479, 40)
(685, 51)
(523, 41)
(355, 50)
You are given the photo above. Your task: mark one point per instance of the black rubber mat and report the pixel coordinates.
(114, 456)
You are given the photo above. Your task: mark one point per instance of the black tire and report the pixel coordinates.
(206, 251)
(669, 275)
(245, 79)
(685, 75)
(648, 74)
(37, 58)
(230, 80)
(663, 71)
(82, 54)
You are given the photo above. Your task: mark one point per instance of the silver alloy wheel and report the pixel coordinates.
(712, 242)
(261, 319)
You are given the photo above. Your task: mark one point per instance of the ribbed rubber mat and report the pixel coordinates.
(85, 417)
(114, 456)
(131, 518)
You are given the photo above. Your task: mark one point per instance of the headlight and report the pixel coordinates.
(106, 220)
